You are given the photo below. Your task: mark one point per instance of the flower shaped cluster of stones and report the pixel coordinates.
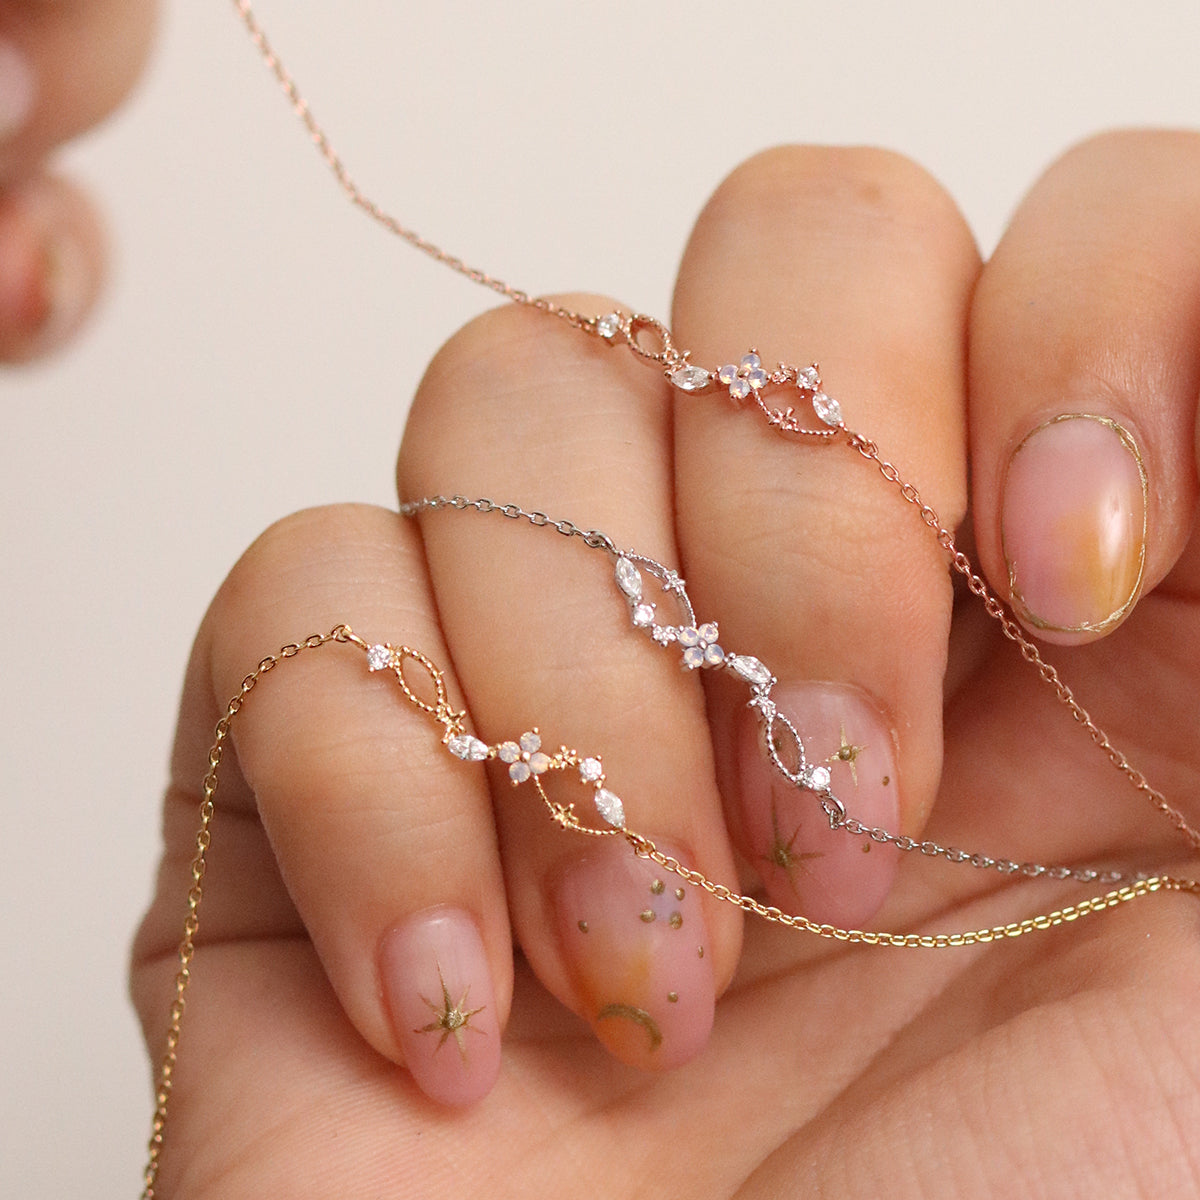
(526, 760)
(700, 646)
(525, 757)
(748, 376)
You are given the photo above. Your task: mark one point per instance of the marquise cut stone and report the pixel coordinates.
(609, 806)
(691, 379)
(468, 748)
(749, 668)
(629, 579)
(827, 409)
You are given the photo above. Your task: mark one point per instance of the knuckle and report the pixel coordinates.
(510, 344)
(856, 192)
(310, 551)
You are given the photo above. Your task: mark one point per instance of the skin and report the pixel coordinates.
(1065, 1063)
(52, 245)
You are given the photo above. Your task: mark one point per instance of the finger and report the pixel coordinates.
(521, 408)
(809, 560)
(1085, 369)
(381, 840)
(51, 265)
(64, 66)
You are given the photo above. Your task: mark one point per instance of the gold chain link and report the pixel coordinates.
(664, 353)
(191, 923)
(452, 723)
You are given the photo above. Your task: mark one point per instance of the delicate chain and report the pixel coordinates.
(358, 198)
(838, 819)
(467, 747)
(996, 610)
(651, 340)
(591, 537)
(191, 923)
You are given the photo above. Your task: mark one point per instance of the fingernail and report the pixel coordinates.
(438, 992)
(829, 875)
(1073, 524)
(45, 283)
(636, 948)
(16, 89)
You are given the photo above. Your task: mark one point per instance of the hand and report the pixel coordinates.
(356, 867)
(63, 67)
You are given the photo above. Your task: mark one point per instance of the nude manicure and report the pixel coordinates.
(828, 875)
(438, 990)
(1073, 524)
(636, 947)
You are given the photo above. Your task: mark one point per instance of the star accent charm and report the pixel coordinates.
(673, 582)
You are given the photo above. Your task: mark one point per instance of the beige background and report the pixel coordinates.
(260, 342)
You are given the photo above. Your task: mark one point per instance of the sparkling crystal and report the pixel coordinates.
(643, 615)
(609, 806)
(629, 579)
(727, 374)
(750, 669)
(808, 378)
(508, 752)
(693, 657)
(739, 389)
(691, 379)
(519, 772)
(530, 742)
(379, 658)
(689, 637)
(590, 770)
(816, 778)
(827, 408)
(708, 632)
(539, 763)
(714, 656)
(751, 371)
(468, 748)
(609, 325)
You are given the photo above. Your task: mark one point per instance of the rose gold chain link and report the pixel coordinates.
(996, 610)
(375, 211)
(650, 339)
(664, 353)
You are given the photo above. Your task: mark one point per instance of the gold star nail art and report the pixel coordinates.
(452, 1019)
(782, 853)
(847, 752)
